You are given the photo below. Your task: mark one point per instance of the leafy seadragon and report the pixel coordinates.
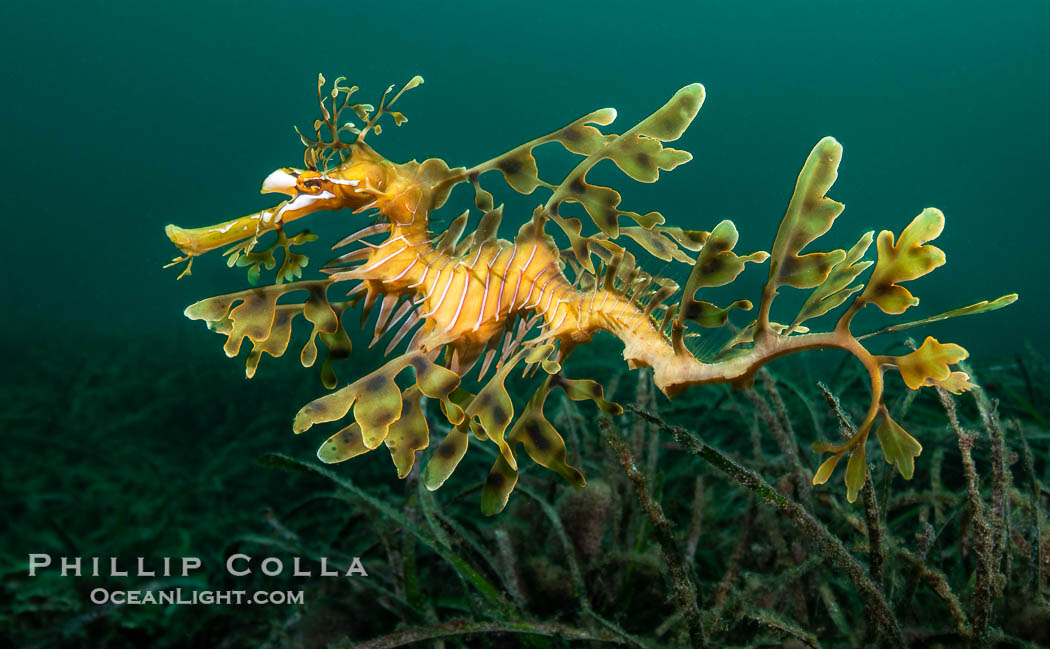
(481, 301)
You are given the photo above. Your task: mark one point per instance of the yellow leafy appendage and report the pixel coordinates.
(465, 302)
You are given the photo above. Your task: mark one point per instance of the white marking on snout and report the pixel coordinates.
(341, 181)
(302, 201)
(280, 181)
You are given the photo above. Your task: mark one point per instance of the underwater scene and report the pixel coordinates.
(541, 325)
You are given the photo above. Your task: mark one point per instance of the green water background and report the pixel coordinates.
(121, 117)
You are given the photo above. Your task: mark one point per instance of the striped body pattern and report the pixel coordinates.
(461, 307)
(468, 300)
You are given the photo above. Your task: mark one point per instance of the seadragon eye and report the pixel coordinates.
(309, 185)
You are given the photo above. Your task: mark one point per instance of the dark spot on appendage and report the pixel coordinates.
(495, 480)
(577, 186)
(880, 290)
(692, 310)
(375, 383)
(535, 433)
(667, 123)
(499, 413)
(384, 414)
(570, 134)
(446, 451)
(510, 166)
(712, 265)
(643, 158)
(420, 364)
(473, 177)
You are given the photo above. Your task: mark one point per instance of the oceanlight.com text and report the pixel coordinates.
(193, 597)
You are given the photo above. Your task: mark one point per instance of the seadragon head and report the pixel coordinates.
(340, 173)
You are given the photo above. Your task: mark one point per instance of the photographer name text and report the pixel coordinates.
(237, 565)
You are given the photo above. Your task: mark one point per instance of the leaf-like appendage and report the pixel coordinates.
(493, 409)
(276, 343)
(669, 122)
(446, 458)
(318, 312)
(254, 314)
(856, 472)
(898, 447)
(251, 319)
(539, 353)
(342, 446)
(930, 362)
(544, 445)
(600, 202)
(378, 399)
(338, 348)
(981, 307)
(956, 383)
(644, 158)
(582, 389)
(689, 239)
(364, 110)
(409, 433)
(242, 255)
(438, 382)
(519, 164)
(541, 440)
(836, 288)
(580, 245)
(906, 260)
(717, 265)
(378, 406)
(330, 407)
(454, 407)
(501, 481)
(647, 221)
(711, 316)
(657, 244)
(637, 152)
(826, 469)
(293, 263)
(809, 215)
